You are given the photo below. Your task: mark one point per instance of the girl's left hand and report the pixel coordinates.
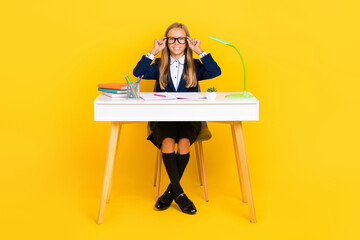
(194, 45)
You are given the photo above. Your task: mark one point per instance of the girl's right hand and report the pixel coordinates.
(159, 45)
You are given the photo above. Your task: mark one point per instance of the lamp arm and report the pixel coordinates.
(242, 60)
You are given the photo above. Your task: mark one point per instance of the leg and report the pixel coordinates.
(184, 146)
(110, 185)
(190, 132)
(169, 159)
(168, 145)
(198, 161)
(181, 161)
(237, 158)
(171, 165)
(164, 135)
(239, 138)
(114, 135)
(156, 167)
(203, 170)
(158, 172)
(185, 204)
(112, 174)
(182, 157)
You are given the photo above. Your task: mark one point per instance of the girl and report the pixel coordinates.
(176, 71)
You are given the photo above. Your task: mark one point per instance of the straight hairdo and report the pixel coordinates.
(189, 75)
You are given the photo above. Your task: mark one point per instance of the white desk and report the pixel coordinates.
(231, 111)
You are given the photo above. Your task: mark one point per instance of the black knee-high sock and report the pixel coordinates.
(182, 161)
(171, 167)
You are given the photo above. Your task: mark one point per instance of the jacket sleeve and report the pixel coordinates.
(144, 67)
(207, 69)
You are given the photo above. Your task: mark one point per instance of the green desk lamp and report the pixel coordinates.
(239, 95)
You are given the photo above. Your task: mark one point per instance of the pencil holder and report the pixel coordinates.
(132, 91)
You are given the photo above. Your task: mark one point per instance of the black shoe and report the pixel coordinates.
(185, 204)
(164, 201)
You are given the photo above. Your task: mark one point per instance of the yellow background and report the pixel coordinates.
(302, 61)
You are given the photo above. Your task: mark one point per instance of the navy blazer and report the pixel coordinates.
(205, 70)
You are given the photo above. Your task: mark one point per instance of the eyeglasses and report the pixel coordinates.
(172, 40)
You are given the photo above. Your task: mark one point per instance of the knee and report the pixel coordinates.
(168, 145)
(184, 146)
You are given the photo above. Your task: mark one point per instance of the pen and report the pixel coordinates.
(159, 95)
(139, 80)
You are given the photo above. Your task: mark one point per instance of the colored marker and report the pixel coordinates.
(128, 77)
(130, 83)
(139, 80)
(159, 95)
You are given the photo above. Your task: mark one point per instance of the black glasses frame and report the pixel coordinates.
(176, 39)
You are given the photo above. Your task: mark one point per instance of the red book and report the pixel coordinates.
(117, 86)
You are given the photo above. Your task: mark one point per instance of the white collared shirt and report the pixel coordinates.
(176, 70)
(176, 67)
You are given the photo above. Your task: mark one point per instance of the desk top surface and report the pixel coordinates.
(220, 100)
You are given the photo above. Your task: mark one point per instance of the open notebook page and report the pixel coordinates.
(170, 96)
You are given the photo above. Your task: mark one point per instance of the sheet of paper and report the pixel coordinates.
(170, 96)
(148, 96)
(188, 95)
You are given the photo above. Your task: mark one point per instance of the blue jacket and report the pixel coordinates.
(205, 70)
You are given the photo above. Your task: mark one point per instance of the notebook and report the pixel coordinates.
(116, 85)
(114, 95)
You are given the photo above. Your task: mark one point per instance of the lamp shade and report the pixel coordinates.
(219, 40)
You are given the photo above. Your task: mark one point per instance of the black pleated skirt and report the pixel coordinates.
(175, 130)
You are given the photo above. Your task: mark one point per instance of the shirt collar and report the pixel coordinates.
(181, 60)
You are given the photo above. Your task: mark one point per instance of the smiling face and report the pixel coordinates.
(176, 49)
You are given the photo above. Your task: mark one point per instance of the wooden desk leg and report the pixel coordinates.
(113, 142)
(244, 170)
(112, 173)
(237, 157)
(110, 185)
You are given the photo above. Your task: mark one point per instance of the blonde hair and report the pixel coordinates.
(189, 75)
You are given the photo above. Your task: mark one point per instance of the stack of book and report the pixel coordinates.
(114, 90)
